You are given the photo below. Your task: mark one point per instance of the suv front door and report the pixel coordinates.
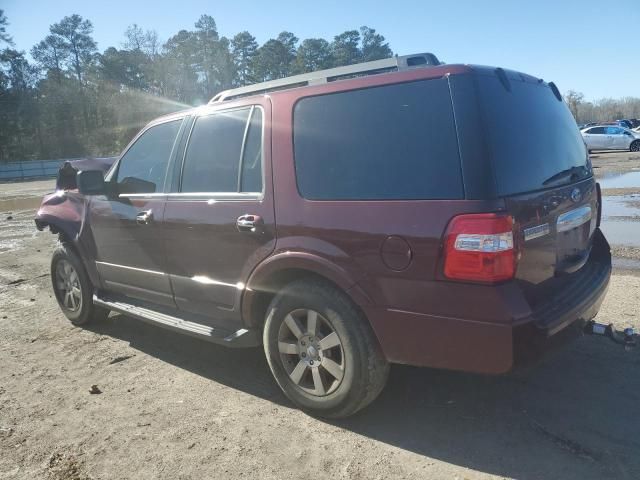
(126, 223)
(219, 219)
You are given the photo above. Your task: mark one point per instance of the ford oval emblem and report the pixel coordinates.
(576, 195)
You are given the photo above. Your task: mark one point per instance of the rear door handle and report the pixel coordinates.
(144, 218)
(249, 223)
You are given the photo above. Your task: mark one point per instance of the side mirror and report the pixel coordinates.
(91, 182)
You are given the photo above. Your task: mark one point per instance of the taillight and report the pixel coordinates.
(480, 247)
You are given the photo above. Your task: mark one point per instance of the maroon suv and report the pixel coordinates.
(397, 211)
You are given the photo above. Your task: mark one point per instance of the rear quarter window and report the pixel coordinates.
(395, 142)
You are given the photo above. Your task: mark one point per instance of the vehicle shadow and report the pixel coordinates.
(572, 415)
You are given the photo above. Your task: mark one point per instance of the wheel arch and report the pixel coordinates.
(65, 215)
(283, 268)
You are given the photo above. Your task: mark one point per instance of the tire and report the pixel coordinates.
(635, 146)
(72, 287)
(349, 370)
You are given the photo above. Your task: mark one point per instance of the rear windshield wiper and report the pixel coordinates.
(573, 173)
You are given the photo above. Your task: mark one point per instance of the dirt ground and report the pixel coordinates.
(174, 407)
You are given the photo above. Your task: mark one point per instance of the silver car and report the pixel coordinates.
(610, 137)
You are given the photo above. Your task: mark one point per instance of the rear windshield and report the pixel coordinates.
(390, 142)
(533, 138)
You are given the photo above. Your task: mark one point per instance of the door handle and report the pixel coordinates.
(249, 223)
(144, 218)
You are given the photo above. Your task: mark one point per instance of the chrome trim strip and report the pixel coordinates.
(536, 232)
(142, 195)
(573, 218)
(216, 194)
(130, 268)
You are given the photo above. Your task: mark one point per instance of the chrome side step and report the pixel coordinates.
(239, 338)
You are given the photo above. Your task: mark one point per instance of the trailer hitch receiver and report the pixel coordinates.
(626, 337)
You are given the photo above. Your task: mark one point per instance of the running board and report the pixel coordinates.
(239, 338)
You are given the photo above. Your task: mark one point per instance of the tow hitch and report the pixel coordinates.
(626, 337)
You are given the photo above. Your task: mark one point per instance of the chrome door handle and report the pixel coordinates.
(249, 223)
(144, 218)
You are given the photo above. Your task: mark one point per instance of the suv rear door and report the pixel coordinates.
(126, 224)
(219, 219)
(543, 173)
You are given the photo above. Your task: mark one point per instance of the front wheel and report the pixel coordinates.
(635, 146)
(72, 287)
(321, 350)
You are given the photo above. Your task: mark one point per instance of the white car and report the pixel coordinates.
(610, 137)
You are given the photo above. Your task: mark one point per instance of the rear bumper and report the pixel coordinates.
(485, 347)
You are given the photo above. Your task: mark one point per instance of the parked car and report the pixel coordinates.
(607, 137)
(345, 220)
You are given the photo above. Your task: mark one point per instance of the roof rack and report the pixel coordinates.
(393, 64)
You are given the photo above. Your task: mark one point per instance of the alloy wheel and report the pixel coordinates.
(68, 286)
(311, 352)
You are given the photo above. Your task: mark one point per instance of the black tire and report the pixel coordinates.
(365, 370)
(635, 146)
(84, 311)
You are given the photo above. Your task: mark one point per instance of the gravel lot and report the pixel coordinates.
(174, 407)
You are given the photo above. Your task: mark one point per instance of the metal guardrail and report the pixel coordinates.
(30, 169)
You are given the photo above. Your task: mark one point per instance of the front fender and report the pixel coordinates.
(65, 212)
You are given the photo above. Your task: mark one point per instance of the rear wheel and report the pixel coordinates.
(635, 146)
(72, 287)
(321, 350)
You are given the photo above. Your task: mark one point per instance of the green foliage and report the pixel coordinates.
(244, 48)
(313, 54)
(345, 48)
(78, 47)
(75, 101)
(4, 36)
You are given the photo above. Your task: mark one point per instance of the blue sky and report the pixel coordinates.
(586, 45)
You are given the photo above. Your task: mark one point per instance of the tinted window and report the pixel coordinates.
(212, 159)
(390, 142)
(143, 167)
(251, 180)
(596, 131)
(614, 131)
(533, 138)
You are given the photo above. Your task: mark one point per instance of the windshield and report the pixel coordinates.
(533, 138)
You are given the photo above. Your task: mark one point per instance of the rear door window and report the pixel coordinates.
(533, 139)
(395, 142)
(596, 131)
(251, 173)
(212, 159)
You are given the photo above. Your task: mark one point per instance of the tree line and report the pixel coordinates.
(70, 100)
(603, 110)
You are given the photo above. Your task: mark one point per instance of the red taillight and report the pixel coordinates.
(480, 247)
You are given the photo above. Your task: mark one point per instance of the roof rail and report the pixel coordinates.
(393, 64)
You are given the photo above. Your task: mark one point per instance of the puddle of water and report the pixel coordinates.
(621, 180)
(621, 220)
(622, 206)
(620, 232)
(626, 263)
(20, 203)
